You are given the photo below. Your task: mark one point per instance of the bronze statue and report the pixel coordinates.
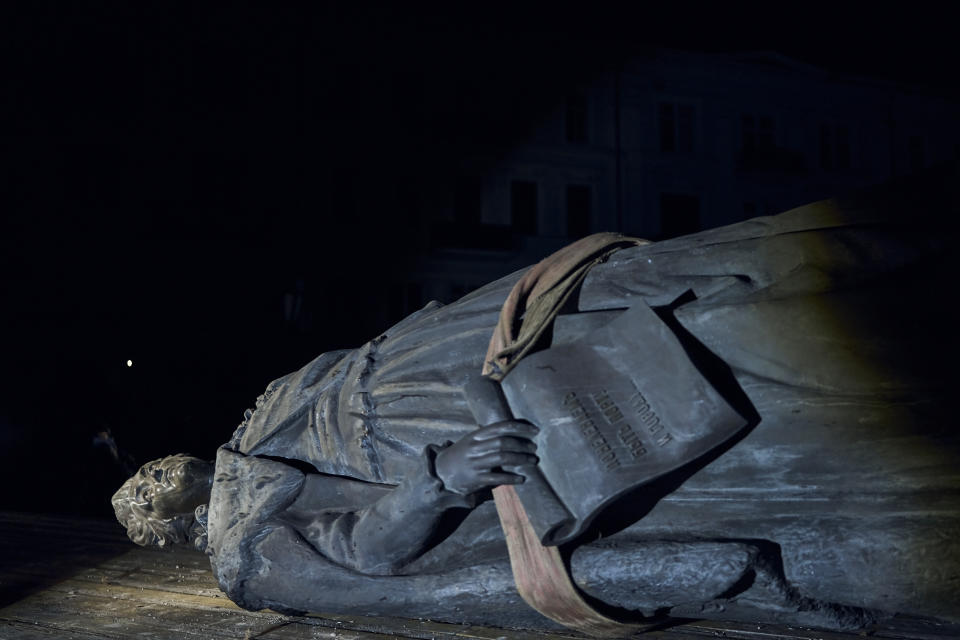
(361, 483)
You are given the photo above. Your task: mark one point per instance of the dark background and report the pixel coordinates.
(171, 171)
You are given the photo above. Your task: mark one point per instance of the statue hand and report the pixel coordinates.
(475, 461)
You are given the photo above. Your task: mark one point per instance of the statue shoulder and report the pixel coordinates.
(248, 492)
(286, 395)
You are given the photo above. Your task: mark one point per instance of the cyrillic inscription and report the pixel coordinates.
(590, 431)
(607, 407)
(632, 441)
(648, 419)
(613, 415)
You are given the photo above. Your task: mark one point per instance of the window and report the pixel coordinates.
(676, 127)
(523, 206)
(578, 211)
(834, 147)
(576, 118)
(679, 214)
(758, 135)
(468, 198)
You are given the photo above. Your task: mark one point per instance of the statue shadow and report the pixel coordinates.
(41, 550)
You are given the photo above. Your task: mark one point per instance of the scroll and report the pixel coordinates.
(617, 407)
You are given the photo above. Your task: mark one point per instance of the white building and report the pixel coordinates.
(672, 143)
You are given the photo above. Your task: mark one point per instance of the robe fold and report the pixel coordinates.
(836, 322)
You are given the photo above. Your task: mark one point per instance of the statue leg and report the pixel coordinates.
(711, 579)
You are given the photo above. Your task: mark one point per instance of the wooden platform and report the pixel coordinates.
(63, 577)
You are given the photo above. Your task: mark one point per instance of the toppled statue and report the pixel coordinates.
(361, 483)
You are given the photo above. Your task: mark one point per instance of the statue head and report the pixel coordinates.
(165, 501)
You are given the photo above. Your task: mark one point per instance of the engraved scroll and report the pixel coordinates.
(617, 408)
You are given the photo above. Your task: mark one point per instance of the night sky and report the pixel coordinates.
(171, 170)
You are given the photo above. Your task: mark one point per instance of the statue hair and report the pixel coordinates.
(145, 528)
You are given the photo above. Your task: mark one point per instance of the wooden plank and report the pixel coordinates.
(127, 579)
(24, 571)
(123, 618)
(36, 631)
(161, 600)
(189, 573)
(755, 631)
(115, 612)
(916, 628)
(427, 629)
(164, 589)
(156, 576)
(296, 630)
(81, 578)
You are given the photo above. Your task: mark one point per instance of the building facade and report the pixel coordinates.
(672, 143)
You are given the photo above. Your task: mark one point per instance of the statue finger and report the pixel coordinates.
(514, 428)
(509, 458)
(496, 478)
(503, 443)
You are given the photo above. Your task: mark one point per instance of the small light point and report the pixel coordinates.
(129, 363)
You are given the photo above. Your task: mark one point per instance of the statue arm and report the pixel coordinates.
(397, 526)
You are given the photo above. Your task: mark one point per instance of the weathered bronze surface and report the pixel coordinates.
(826, 330)
(617, 408)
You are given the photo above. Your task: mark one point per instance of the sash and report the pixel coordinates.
(618, 405)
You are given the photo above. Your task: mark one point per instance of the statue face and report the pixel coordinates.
(173, 485)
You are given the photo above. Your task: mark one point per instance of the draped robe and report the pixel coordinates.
(834, 321)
